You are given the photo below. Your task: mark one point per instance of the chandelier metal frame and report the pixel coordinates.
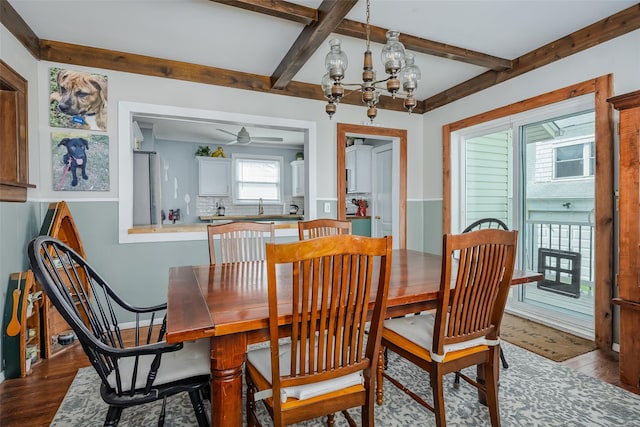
(399, 66)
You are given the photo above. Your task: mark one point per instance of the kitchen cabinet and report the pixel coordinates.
(358, 162)
(297, 178)
(629, 231)
(214, 176)
(361, 226)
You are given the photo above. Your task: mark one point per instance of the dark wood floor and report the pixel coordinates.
(33, 401)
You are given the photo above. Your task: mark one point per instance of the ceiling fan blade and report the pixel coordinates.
(266, 139)
(226, 131)
(232, 142)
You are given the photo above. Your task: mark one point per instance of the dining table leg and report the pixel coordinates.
(227, 358)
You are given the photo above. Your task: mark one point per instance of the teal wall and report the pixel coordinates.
(19, 222)
(139, 271)
(431, 226)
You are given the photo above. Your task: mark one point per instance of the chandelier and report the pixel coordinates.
(400, 68)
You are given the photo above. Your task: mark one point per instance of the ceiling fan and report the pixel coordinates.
(243, 137)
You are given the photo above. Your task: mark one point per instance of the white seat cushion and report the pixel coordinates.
(192, 360)
(261, 360)
(419, 330)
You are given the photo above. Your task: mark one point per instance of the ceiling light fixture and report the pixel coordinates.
(399, 66)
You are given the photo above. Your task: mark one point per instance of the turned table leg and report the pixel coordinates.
(227, 358)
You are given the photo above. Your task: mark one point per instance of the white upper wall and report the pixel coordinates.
(620, 57)
(155, 90)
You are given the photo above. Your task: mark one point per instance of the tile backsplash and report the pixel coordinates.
(206, 206)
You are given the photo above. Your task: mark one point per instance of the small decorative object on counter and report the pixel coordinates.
(218, 153)
(203, 151)
(174, 215)
(221, 208)
(300, 155)
(362, 207)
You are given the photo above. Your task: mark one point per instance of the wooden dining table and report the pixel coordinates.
(227, 303)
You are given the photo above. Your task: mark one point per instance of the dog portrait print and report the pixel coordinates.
(80, 162)
(77, 99)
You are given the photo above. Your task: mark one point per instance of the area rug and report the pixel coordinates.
(534, 391)
(543, 340)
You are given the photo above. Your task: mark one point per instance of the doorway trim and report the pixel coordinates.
(602, 88)
(344, 130)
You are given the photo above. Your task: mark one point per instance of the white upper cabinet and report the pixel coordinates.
(214, 176)
(358, 160)
(297, 178)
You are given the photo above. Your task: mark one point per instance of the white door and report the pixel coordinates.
(382, 206)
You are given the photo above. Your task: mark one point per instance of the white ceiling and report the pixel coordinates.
(213, 34)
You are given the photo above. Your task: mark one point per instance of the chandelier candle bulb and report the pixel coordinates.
(392, 54)
(336, 60)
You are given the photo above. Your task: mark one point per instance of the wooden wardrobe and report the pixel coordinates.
(629, 241)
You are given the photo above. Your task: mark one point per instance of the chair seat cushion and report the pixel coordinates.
(419, 330)
(261, 361)
(192, 360)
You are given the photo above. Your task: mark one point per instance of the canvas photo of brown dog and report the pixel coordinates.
(78, 99)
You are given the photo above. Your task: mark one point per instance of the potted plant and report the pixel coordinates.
(203, 151)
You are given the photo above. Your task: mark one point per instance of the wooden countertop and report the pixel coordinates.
(265, 217)
(201, 227)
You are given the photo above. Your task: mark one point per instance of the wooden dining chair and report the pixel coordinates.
(485, 223)
(329, 365)
(482, 224)
(322, 227)
(239, 241)
(464, 331)
(139, 372)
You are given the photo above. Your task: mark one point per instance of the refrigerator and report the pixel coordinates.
(146, 188)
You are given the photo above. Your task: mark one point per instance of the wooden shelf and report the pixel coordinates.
(16, 340)
(58, 223)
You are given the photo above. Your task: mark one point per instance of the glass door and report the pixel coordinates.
(536, 173)
(557, 209)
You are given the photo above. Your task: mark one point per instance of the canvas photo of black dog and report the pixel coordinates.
(80, 162)
(76, 157)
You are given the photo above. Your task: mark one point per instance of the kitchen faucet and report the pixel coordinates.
(260, 208)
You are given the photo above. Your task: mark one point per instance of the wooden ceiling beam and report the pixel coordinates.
(330, 14)
(357, 29)
(157, 67)
(604, 30)
(378, 34)
(278, 8)
(13, 22)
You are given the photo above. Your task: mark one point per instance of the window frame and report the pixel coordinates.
(602, 88)
(588, 157)
(238, 157)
